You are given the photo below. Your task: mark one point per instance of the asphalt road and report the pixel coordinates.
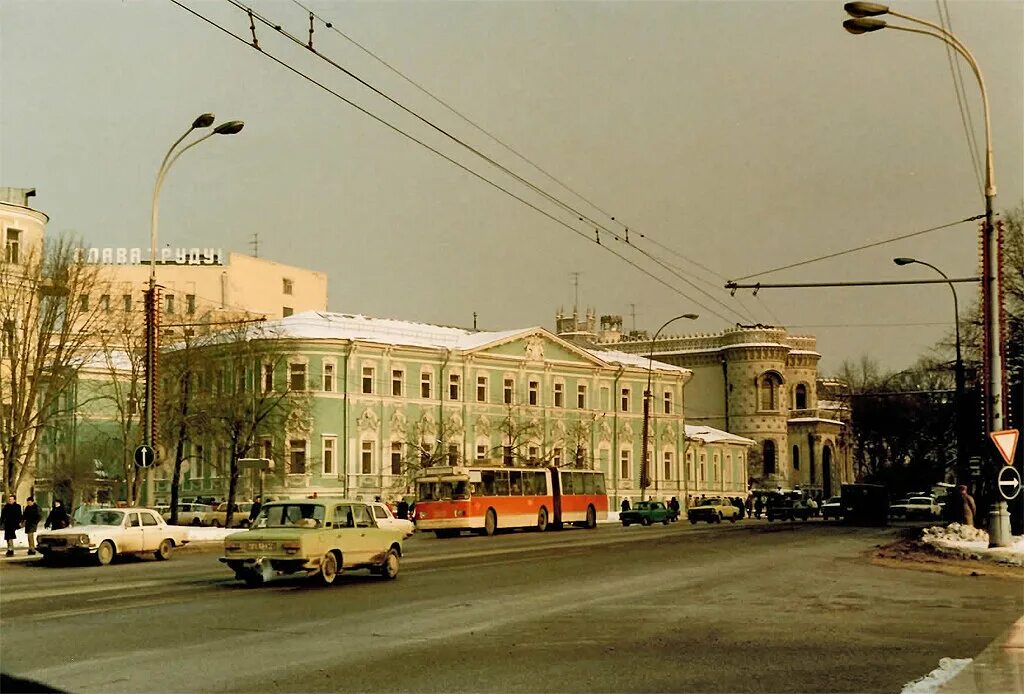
(746, 607)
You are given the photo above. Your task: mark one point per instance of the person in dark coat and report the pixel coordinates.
(255, 510)
(758, 506)
(673, 506)
(31, 517)
(625, 504)
(58, 517)
(10, 517)
(403, 509)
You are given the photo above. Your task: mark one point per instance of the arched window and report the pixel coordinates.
(769, 389)
(800, 397)
(796, 457)
(768, 456)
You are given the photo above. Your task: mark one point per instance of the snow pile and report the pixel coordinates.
(204, 534)
(930, 683)
(966, 542)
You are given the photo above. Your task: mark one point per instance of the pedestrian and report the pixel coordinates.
(403, 509)
(969, 507)
(58, 517)
(758, 506)
(255, 510)
(674, 507)
(10, 518)
(749, 506)
(31, 517)
(625, 505)
(812, 505)
(739, 506)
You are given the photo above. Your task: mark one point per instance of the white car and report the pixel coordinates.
(916, 507)
(386, 519)
(107, 532)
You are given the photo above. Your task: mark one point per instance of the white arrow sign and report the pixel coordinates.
(1009, 482)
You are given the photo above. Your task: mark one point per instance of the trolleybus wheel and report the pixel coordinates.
(542, 520)
(490, 522)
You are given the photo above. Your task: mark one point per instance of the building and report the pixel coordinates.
(757, 382)
(388, 397)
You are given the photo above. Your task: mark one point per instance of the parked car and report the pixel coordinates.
(784, 507)
(645, 513)
(916, 508)
(713, 510)
(193, 514)
(832, 509)
(386, 518)
(107, 532)
(218, 517)
(319, 537)
(865, 504)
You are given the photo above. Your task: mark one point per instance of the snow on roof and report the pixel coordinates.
(635, 360)
(712, 435)
(109, 360)
(822, 420)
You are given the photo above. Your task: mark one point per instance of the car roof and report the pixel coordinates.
(325, 499)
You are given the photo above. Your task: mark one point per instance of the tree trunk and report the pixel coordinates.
(232, 488)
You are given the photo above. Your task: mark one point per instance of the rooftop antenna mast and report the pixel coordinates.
(632, 311)
(576, 291)
(255, 245)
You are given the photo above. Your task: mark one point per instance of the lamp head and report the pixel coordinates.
(865, 9)
(904, 261)
(691, 316)
(203, 121)
(864, 25)
(229, 128)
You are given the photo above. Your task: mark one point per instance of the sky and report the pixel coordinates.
(731, 138)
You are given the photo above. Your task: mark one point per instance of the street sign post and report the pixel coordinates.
(1009, 483)
(1006, 443)
(145, 456)
(974, 465)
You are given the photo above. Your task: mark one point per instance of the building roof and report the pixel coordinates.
(819, 420)
(712, 435)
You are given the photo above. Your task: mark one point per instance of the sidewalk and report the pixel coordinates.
(998, 668)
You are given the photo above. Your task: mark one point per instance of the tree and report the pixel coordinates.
(48, 318)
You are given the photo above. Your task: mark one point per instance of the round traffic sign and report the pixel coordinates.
(1009, 482)
(145, 456)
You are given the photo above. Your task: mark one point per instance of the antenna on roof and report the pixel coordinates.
(254, 244)
(474, 320)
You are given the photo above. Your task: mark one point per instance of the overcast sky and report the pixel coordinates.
(737, 136)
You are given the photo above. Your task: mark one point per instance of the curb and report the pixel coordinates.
(998, 668)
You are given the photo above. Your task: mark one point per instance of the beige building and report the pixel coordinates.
(756, 382)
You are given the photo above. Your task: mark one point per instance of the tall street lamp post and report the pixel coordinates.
(152, 309)
(864, 20)
(958, 405)
(646, 437)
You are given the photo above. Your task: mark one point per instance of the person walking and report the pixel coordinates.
(758, 506)
(31, 517)
(969, 506)
(255, 510)
(10, 518)
(748, 506)
(673, 506)
(403, 509)
(625, 505)
(58, 517)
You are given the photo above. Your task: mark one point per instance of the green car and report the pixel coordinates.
(645, 513)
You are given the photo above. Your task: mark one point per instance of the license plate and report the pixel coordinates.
(261, 546)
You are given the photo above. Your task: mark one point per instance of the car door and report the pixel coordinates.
(152, 532)
(368, 541)
(382, 516)
(131, 535)
(344, 534)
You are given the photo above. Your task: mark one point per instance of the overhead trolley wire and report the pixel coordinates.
(423, 144)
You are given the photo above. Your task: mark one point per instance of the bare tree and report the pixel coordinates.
(48, 316)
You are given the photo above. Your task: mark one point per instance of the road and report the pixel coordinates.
(745, 607)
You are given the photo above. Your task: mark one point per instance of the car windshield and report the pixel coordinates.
(291, 515)
(711, 502)
(104, 518)
(441, 491)
(833, 500)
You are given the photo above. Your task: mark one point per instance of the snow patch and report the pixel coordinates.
(929, 684)
(966, 542)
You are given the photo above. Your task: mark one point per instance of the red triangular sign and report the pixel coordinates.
(1006, 443)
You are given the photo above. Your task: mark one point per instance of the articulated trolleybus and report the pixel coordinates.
(484, 499)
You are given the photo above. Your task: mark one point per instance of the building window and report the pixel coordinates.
(328, 454)
(624, 464)
(105, 303)
(768, 456)
(425, 382)
(606, 398)
(481, 389)
(668, 464)
(624, 404)
(13, 246)
(286, 286)
(506, 455)
(368, 375)
(703, 468)
(126, 301)
(481, 452)
(453, 386)
(769, 391)
(268, 378)
(287, 311)
(534, 392)
(366, 458)
(668, 402)
(796, 457)
(297, 457)
(169, 303)
(533, 453)
(83, 302)
(267, 448)
(508, 390)
(190, 304)
(559, 395)
(396, 458)
(453, 454)
(581, 397)
(328, 377)
(716, 474)
(556, 457)
(397, 377)
(297, 376)
(800, 397)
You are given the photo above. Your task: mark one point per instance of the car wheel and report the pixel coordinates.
(389, 569)
(215, 523)
(328, 568)
(625, 524)
(591, 522)
(105, 553)
(718, 518)
(195, 522)
(252, 579)
(490, 522)
(163, 552)
(542, 520)
(732, 519)
(666, 521)
(645, 521)
(693, 521)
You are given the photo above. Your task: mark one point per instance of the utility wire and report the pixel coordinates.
(859, 248)
(961, 95)
(401, 132)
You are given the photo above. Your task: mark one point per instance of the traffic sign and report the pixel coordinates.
(1006, 443)
(1009, 482)
(145, 456)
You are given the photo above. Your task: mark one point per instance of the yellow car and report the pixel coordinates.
(319, 537)
(713, 510)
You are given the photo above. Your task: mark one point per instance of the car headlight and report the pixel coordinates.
(82, 540)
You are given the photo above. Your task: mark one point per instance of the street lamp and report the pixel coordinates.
(203, 121)
(647, 404)
(864, 21)
(958, 407)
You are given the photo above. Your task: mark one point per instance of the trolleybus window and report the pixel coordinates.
(515, 478)
(567, 486)
(501, 483)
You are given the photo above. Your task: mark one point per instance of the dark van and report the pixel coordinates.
(865, 504)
